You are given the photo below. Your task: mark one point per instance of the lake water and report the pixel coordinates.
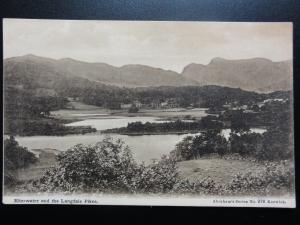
(110, 122)
(144, 147)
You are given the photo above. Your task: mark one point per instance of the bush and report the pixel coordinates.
(158, 177)
(275, 178)
(201, 187)
(133, 109)
(109, 167)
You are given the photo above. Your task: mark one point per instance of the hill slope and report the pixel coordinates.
(46, 69)
(255, 74)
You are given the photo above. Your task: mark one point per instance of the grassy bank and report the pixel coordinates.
(219, 169)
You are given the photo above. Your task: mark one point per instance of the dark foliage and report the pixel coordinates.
(43, 126)
(208, 122)
(15, 157)
(208, 142)
(133, 109)
(275, 144)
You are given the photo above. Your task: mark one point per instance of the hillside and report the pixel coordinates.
(49, 70)
(257, 74)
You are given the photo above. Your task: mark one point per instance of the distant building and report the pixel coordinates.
(155, 105)
(260, 104)
(249, 111)
(227, 106)
(137, 104)
(125, 106)
(273, 100)
(71, 99)
(164, 104)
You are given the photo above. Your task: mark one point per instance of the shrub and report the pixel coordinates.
(109, 167)
(158, 177)
(273, 179)
(201, 187)
(133, 109)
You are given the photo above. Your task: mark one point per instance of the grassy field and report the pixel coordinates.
(220, 170)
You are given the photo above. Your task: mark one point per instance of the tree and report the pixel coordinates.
(183, 149)
(238, 121)
(133, 109)
(277, 145)
(15, 157)
(207, 142)
(245, 143)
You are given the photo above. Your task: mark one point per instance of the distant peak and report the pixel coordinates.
(68, 59)
(256, 59)
(31, 56)
(217, 59)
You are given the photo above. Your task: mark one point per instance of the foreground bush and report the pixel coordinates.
(200, 187)
(275, 178)
(107, 166)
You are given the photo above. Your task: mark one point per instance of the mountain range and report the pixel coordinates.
(257, 74)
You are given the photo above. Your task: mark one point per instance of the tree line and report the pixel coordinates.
(274, 144)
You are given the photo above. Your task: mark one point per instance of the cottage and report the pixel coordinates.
(126, 106)
(137, 104)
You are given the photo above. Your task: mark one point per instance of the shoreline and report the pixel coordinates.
(152, 133)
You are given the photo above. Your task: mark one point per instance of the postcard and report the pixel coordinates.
(148, 113)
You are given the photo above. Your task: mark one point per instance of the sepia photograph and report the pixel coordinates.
(177, 113)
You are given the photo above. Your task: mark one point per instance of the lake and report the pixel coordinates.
(110, 122)
(144, 147)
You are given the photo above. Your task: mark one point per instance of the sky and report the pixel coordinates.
(167, 45)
